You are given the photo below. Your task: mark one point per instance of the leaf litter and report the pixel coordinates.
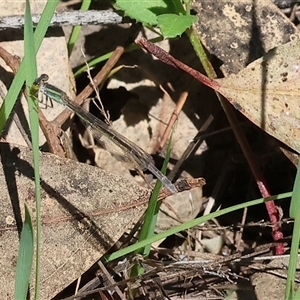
(83, 214)
(266, 91)
(244, 32)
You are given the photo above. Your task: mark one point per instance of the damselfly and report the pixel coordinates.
(100, 130)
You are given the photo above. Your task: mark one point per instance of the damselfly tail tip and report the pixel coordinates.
(169, 185)
(172, 189)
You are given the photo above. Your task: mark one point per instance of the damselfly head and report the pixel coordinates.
(41, 80)
(38, 84)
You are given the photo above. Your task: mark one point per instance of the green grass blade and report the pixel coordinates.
(106, 56)
(76, 29)
(19, 79)
(295, 214)
(190, 224)
(295, 202)
(297, 295)
(149, 223)
(31, 74)
(29, 49)
(25, 256)
(290, 282)
(150, 220)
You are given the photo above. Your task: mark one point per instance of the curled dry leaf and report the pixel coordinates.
(266, 91)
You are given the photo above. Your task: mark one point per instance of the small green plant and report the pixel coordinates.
(171, 17)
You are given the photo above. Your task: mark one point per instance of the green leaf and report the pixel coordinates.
(147, 11)
(25, 258)
(172, 25)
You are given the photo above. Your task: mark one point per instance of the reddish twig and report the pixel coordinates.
(172, 120)
(271, 208)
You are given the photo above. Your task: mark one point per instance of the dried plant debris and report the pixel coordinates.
(200, 276)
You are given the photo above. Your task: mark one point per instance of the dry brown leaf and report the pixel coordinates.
(82, 211)
(85, 210)
(267, 92)
(239, 31)
(270, 280)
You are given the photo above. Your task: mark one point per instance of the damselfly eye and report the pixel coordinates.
(41, 80)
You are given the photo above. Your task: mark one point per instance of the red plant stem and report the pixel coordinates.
(170, 60)
(272, 210)
(270, 205)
